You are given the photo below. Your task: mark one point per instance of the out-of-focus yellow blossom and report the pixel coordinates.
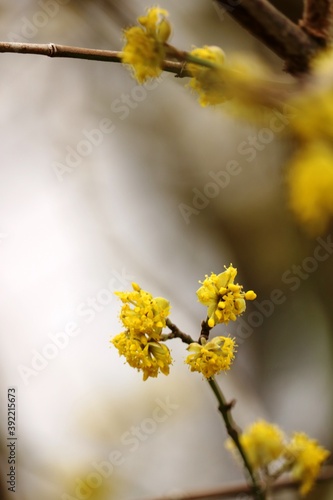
(310, 173)
(253, 89)
(313, 117)
(306, 457)
(142, 313)
(156, 23)
(243, 80)
(144, 49)
(213, 357)
(148, 356)
(262, 443)
(208, 82)
(225, 299)
(310, 181)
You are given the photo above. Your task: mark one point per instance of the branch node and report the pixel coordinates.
(52, 49)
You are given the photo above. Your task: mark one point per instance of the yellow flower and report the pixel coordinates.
(142, 313)
(314, 117)
(213, 357)
(144, 317)
(144, 49)
(156, 23)
(225, 299)
(306, 458)
(310, 181)
(208, 82)
(262, 443)
(243, 80)
(148, 356)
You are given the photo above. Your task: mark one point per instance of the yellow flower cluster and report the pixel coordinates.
(144, 49)
(225, 299)
(310, 172)
(208, 81)
(310, 181)
(265, 443)
(212, 357)
(143, 317)
(306, 458)
(150, 357)
(143, 314)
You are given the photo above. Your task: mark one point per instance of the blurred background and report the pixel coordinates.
(102, 183)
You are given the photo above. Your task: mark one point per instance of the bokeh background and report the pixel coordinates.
(69, 239)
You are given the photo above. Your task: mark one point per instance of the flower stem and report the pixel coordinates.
(176, 333)
(233, 432)
(205, 330)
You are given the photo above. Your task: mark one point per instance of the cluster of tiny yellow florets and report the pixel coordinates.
(143, 317)
(208, 81)
(262, 442)
(268, 451)
(266, 446)
(224, 298)
(310, 171)
(210, 358)
(144, 49)
(305, 457)
(143, 314)
(310, 180)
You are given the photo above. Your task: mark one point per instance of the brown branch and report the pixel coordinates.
(317, 19)
(234, 433)
(238, 489)
(287, 40)
(54, 50)
(176, 333)
(205, 330)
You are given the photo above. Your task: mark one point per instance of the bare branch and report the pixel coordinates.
(287, 40)
(318, 19)
(238, 489)
(177, 334)
(54, 50)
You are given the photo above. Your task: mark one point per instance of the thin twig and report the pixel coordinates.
(276, 31)
(233, 432)
(205, 330)
(176, 333)
(55, 50)
(238, 489)
(223, 406)
(317, 19)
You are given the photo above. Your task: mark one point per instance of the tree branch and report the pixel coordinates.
(287, 40)
(317, 19)
(233, 432)
(176, 333)
(238, 489)
(205, 330)
(54, 50)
